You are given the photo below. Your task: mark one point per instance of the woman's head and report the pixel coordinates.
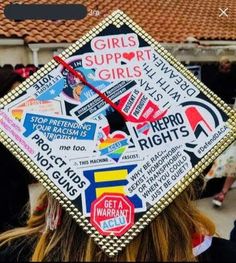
(8, 80)
(224, 65)
(167, 238)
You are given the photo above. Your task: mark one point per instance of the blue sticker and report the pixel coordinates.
(108, 180)
(49, 87)
(53, 91)
(58, 128)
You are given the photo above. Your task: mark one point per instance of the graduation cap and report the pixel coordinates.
(144, 130)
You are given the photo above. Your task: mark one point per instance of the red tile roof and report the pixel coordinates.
(165, 20)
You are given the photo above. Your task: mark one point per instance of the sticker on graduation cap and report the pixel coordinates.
(126, 129)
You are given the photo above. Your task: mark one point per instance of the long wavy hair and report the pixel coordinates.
(167, 238)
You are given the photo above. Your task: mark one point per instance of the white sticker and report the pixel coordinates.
(158, 174)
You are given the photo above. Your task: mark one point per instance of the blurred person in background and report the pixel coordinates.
(14, 177)
(224, 81)
(9, 79)
(224, 85)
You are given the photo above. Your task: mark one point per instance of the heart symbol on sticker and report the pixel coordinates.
(129, 56)
(143, 128)
(114, 146)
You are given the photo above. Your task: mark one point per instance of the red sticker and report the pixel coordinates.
(112, 213)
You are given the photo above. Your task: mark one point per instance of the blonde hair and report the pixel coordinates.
(167, 238)
(224, 58)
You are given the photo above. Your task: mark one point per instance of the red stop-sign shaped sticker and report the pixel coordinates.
(112, 213)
